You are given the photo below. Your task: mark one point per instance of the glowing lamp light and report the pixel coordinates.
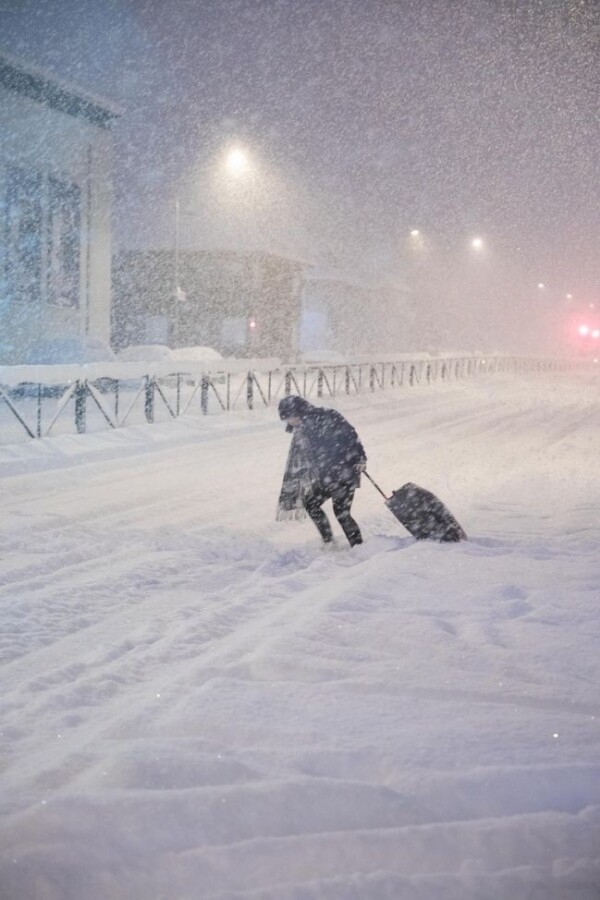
(583, 330)
(541, 285)
(477, 243)
(415, 232)
(237, 161)
(252, 323)
(596, 333)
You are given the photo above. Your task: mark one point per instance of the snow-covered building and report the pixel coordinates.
(352, 318)
(55, 192)
(241, 303)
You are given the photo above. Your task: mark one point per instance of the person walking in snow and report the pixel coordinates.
(325, 462)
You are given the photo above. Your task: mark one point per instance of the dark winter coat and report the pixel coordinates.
(334, 448)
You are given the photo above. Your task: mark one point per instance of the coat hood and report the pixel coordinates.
(293, 406)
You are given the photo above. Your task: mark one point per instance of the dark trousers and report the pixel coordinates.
(342, 496)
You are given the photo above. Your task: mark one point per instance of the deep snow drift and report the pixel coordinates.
(198, 702)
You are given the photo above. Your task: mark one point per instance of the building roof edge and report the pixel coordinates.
(35, 83)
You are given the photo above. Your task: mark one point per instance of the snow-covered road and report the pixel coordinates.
(198, 702)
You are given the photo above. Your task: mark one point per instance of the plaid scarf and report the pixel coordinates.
(297, 479)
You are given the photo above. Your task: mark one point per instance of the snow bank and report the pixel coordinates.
(125, 370)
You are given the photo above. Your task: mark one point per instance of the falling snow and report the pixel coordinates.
(198, 702)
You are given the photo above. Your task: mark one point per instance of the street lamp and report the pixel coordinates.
(416, 242)
(237, 161)
(477, 243)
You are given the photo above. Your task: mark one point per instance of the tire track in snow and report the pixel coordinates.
(213, 629)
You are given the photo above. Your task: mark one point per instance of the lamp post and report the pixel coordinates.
(179, 295)
(177, 288)
(237, 165)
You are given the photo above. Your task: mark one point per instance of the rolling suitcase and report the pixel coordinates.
(422, 513)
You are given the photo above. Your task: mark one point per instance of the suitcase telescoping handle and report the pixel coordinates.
(374, 483)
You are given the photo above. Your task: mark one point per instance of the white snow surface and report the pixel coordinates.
(199, 702)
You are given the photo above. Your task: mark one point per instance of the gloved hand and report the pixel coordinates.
(362, 465)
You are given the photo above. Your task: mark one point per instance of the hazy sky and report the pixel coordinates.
(454, 116)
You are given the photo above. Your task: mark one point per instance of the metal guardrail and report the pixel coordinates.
(38, 407)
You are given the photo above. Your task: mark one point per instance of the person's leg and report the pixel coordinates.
(313, 500)
(342, 501)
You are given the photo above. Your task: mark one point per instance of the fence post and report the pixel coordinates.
(288, 383)
(204, 394)
(250, 390)
(39, 411)
(372, 378)
(149, 399)
(319, 383)
(80, 395)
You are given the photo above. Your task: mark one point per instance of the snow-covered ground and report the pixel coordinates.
(198, 702)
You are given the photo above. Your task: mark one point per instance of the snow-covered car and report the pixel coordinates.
(196, 354)
(197, 357)
(323, 358)
(207, 357)
(146, 353)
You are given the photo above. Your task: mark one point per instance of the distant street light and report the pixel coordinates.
(416, 242)
(477, 243)
(541, 285)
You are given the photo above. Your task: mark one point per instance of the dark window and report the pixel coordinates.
(24, 236)
(27, 254)
(63, 243)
